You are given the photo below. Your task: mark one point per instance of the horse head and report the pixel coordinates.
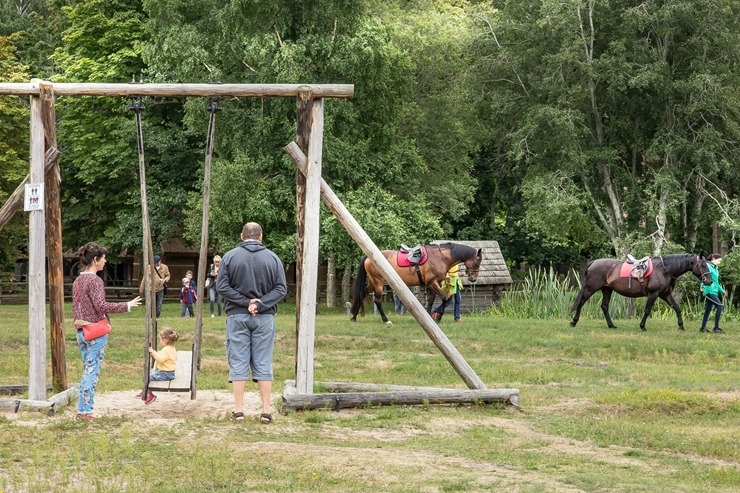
(472, 265)
(701, 270)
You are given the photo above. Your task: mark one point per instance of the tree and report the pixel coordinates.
(13, 151)
(100, 167)
(290, 42)
(607, 113)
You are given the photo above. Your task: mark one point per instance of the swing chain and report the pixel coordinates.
(137, 105)
(214, 105)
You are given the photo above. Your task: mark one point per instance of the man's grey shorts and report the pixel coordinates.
(249, 344)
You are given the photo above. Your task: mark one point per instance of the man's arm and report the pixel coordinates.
(279, 289)
(223, 286)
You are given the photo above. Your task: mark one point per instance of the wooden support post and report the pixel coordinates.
(52, 183)
(304, 105)
(36, 262)
(412, 304)
(309, 279)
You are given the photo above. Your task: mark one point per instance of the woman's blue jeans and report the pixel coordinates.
(712, 301)
(214, 297)
(93, 354)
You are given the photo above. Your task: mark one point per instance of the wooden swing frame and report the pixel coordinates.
(306, 152)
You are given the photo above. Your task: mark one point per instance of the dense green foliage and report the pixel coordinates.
(564, 130)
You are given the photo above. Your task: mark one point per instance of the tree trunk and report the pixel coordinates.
(331, 282)
(659, 235)
(347, 283)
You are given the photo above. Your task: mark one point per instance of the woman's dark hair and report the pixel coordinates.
(714, 256)
(89, 252)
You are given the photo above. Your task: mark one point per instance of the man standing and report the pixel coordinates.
(159, 277)
(251, 281)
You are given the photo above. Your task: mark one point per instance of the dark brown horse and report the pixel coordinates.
(604, 275)
(440, 258)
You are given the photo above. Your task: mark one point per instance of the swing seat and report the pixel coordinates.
(181, 383)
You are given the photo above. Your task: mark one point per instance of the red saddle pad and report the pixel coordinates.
(626, 269)
(403, 258)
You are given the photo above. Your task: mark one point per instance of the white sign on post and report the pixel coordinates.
(34, 199)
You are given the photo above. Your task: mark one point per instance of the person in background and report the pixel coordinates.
(189, 275)
(399, 307)
(165, 361)
(713, 294)
(213, 295)
(252, 282)
(187, 298)
(452, 285)
(89, 306)
(158, 278)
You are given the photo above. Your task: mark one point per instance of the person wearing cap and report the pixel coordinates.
(713, 294)
(159, 276)
(187, 298)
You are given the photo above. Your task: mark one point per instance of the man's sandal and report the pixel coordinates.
(265, 418)
(237, 416)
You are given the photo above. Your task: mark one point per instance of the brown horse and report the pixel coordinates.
(604, 275)
(440, 258)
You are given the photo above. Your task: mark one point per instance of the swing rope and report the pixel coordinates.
(214, 106)
(137, 107)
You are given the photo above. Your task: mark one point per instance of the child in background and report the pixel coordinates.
(187, 298)
(189, 275)
(165, 361)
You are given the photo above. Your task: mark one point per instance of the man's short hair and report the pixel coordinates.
(251, 231)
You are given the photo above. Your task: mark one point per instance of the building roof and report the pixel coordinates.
(493, 268)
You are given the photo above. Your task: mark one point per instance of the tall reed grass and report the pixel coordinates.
(544, 294)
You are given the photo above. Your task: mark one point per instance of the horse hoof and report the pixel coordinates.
(389, 323)
(612, 326)
(353, 319)
(643, 329)
(681, 330)
(572, 324)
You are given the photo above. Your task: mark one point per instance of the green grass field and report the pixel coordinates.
(601, 411)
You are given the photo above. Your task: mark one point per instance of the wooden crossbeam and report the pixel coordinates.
(202, 90)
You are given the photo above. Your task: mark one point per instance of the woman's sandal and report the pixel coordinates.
(265, 418)
(237, 416)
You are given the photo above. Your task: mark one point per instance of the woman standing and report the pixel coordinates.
(213, 295)
(713, 293)
(89, 306)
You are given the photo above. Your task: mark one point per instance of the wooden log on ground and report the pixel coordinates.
(202, 90)
(359, 387)
(339, 400)
(16, 405)
(65, 397)
(17, 389)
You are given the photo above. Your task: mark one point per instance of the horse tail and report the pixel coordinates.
(579, 298)
(360, 291)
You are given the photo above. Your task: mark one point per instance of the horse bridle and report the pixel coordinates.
(702, 273)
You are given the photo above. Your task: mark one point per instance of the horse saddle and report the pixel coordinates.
(408, 256)
(633, 267)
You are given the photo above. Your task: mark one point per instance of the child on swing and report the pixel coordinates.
(165, 361)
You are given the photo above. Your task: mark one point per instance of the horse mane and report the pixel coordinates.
(460, 251)
(677, 262)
